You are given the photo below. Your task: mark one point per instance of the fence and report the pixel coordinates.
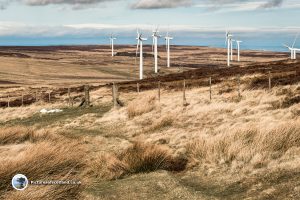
(265, 81)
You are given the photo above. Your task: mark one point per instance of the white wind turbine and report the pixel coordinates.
(168, 38)
(112, 44)
(155, 36)
(228, 41)
(140, 45)
(292, 49)
(231, 51)
(238, 48)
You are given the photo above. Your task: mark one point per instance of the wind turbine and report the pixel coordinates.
(168, 38)
(228, 41)
(155, 36)
(231, 51)
(112, 44)
(292, 49)
(238, 49)
(140, 40)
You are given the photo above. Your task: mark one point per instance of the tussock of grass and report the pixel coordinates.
(20, 134)
(251, 145)
(139, 158)
(43, 160)
(286, 102)
(161, 123)
(141, 106)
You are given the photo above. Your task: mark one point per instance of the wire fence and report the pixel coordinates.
(69, 95)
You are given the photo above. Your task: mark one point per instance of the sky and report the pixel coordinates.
(183, 18)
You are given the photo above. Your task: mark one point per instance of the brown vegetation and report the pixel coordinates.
(19, 134)
(138, 158)
(248, 146)
(227, 147)
(144, 105)
(47, 159)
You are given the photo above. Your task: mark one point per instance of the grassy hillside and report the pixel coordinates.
(232, 147)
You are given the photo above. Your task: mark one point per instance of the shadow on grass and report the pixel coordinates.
(42, 120)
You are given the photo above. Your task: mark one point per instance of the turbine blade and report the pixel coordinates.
(295, 40)
(287, 46)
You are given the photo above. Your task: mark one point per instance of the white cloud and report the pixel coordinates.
(75, 4)
(158, 4)
(82, 30)
(212, 4)
(237, 5)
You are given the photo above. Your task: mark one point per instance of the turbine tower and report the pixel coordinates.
(238, 49)
(228, 41)
(112, 44)
(168, 38)
(292, 49)
(140, 40)
(231, 51)
(155, 36)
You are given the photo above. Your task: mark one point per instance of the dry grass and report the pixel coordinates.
(163, 122)
(141, 106)
(20, 134)
(237, 139)
(285, 102)
(248, 146)
(46, 159)
(138, 158)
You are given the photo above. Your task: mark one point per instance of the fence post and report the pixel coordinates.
(210, 95)
(49, 97)
(114, 94)
(158, 90)
(138, 88)
(184, 97)
(239, 85)
(87, 95)
(36, 96)
(270, 83)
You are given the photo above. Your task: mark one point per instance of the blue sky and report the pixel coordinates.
(84, 18)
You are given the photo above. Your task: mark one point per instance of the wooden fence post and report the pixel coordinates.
(158, 90)
(114, 94)
(210, 95)
(138, 88)
(270, 83)
(49, 97)
(87, 95)
(184, 97)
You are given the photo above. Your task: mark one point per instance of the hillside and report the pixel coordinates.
(243, 143)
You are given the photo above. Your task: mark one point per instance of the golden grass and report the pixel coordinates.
(141, 106)
(251, 145)
(226, 137)
(46, 159)
(138, 158)
(163, 122)
(20, 134)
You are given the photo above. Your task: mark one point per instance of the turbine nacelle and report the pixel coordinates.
(140, 38)
(169, 38)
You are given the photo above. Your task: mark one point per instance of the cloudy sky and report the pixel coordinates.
(88, 17)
